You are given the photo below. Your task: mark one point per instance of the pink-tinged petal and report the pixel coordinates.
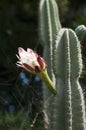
(20, 49)
(22, 52)
(32, 53)
(28, 68)
(29, 50)
(23, 56)
(41, 62)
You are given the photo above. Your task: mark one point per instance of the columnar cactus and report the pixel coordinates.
(68, 66)
(62, 51)
(49, 25)
(80, 32)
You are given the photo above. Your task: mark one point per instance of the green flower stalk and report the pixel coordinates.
(35, 64)
(44, 76)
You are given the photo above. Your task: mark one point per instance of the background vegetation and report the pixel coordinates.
(20, 92)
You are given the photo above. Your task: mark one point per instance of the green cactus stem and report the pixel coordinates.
(44, 76)
(62, 52)
(48, 21)
(49, 25)
(68, 67)
(80, 32)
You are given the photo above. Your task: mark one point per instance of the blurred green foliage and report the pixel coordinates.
(19, 27)
(13, 122)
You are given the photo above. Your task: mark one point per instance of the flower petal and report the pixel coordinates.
(22, 53)
(20, 49)
(28, 68)
(32, 53)
(41, 62)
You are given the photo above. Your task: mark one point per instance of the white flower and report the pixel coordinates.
(30, 61)
(33, 63)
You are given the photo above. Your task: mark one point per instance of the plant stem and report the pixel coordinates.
(44, 76)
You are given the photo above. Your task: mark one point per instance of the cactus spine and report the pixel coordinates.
(66, 110)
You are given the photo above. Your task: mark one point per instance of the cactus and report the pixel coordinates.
(65, 110)
(68, 66)
(49, 25)
(48, 21)
(80, 32)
